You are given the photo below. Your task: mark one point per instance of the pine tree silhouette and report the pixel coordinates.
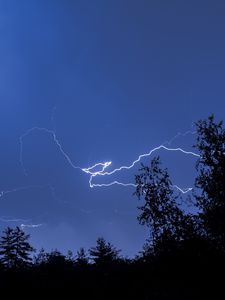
(81, 257)
(104, 252)
(15, 249)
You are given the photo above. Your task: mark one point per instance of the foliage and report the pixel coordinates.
(104, 252)
(15, 248)
(211, 178)
(159, 211)
(81, 257)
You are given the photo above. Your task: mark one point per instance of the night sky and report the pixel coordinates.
(113, 80)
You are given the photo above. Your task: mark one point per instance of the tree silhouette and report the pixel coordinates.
(15, 249)
(69, 256)
(41, 258)
(159, 211)
(7, 252)
(104, 252)
(56, 259)
(81, 257)
(211, 178)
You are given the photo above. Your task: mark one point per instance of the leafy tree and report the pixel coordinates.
(211, 178)
(104, 252)
(159, 211)
(15, 249)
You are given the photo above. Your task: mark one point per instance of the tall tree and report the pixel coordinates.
(104, 252)
(159, 210)
(211, 178)
(15, 249)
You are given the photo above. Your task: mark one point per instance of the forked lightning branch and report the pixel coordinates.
(103, 166)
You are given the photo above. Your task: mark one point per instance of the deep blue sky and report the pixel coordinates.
(114, 79)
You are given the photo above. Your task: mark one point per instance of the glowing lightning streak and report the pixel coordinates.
(136, 161)
(103, 166)
(111, 183)
(183, 191)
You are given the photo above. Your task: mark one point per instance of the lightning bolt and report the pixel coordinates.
(102, 172)
(105, 165)
(91, 171)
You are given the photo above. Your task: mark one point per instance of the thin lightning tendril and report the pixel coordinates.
(180, 134)
(8, 220)
(53, 134)
(23, 226)
(24, 188)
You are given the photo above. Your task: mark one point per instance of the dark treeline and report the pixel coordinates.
(182, 259)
